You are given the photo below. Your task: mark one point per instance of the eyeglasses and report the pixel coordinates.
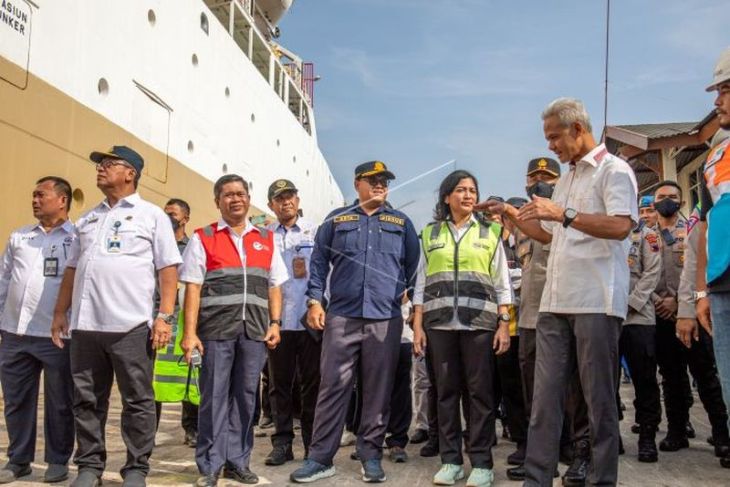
(240, 195)
(107, 163)
(377, 181)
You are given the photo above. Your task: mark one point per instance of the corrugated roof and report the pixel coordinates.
(661, 130)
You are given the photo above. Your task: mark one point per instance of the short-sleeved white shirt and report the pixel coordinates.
(28, 291)
(587, 274)
(194, 260)
(117, 253)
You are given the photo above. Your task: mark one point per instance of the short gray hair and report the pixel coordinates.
(568, 111)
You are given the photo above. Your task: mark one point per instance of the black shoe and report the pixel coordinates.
(13, 471)
(722, 448)
(397, 455)
(355, 456)
(725, 462)
(647, 445)
(191, 438)
(674, 442)
(711, 440)
(419, 436)
(430, 449)
(86, 478)
(207, 481)
(516, 473)
(134, 478)
(279, 455)
(242, 475)
(566, 454)
(576, 474)
(55, 472)
(518, 456)
(635, 428)
(690, 430)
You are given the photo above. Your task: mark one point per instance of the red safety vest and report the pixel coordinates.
(230, 287)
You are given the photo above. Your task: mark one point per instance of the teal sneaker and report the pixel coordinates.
(449, 474)
(480, 477)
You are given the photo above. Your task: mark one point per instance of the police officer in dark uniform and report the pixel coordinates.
(372, 252)
(638, 336)
(672, 357)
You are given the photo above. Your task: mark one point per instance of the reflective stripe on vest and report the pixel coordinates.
(458, 275)
(173, 379)
(229, 287)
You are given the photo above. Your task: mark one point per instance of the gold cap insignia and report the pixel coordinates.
(281, 183)
(542, 164)
(379, 166)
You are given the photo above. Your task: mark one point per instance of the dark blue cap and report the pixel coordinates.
(373, 168)
(120, 152)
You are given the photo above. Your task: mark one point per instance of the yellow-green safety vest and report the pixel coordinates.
(174, 380)
(458, 275)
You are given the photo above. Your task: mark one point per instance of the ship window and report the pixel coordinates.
(278, 142)
(253, 117)
(307, 172)
(77, 199)
(103, 86)
(228, 92)
(191, 146)
(195, 59)
(151, 17)
(225, 168)
(294, 159)
(204, 23)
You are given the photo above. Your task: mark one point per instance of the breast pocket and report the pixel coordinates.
(346, 237)
(391, 238)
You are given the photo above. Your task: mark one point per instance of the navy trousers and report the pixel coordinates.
(229, 379)
(22, 358)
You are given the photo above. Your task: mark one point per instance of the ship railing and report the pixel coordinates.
(287, 80)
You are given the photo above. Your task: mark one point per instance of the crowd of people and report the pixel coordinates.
(518, 309)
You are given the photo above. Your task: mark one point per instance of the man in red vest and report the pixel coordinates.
(233, 272)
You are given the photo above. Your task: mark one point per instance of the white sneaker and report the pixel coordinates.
(449, 474)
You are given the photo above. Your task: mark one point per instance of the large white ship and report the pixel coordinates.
(198, 87)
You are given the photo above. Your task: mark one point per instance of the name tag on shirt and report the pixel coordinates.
(50, 267)
(299, 267)
(114, 244)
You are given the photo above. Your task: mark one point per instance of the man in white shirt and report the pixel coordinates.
(121, 245)
(233, 273)
(585, 299)
(32, 266)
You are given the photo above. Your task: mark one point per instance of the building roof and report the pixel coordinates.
(661, 130)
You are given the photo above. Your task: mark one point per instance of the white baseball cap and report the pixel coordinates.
(722, 70)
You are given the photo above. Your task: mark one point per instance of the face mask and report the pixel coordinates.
(666, 207)
(541, 189)
(175, 223)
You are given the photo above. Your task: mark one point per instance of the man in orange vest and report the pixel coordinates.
(233, 272)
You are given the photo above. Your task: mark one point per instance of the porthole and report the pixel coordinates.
(195, 59)
(151, 17)
(204, 22)
(278, 143)
(228, 92)
(294, 159)
(253, 117)
(225, 168)
(191, 146)
(77, 199)
(103, 86)
(307, 172)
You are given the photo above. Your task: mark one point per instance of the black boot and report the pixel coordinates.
(279, 455)
(576, 474)
(647, 444)
(674, 441)
(431, 448)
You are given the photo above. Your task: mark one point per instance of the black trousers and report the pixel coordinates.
(638, 345)
(296, 356)
(96, 357)
(22, 359)
(673, 359)
(464, 359)
(189, 419)
(508, 366)
(401, 407)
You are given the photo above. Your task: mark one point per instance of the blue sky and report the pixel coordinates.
(416, 83)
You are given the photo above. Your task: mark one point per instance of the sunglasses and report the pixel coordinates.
(376, 181)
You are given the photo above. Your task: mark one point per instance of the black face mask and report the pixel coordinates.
(666, 207)
(541, 189)
(175, 223)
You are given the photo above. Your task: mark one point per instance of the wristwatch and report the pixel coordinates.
(169, 319)
(505, 317)
(311, 302)
(275, 322)
(699, 295)
(568, 216)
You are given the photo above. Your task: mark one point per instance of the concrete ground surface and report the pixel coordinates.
(173, 463)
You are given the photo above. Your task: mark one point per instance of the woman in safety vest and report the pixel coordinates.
(462, 300)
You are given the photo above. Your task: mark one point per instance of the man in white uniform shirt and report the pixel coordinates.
(32, 267)
(122, 245)
(585, 299)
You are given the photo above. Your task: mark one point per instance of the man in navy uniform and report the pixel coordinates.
(372, 251)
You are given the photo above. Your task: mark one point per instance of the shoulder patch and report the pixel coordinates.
(653, 241)
(347, 218)
(392, 219)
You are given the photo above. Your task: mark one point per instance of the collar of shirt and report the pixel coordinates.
(459, 232)
(595, 156)
(222, 224)
(66, 226)
(129, 200)
(281, 228)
